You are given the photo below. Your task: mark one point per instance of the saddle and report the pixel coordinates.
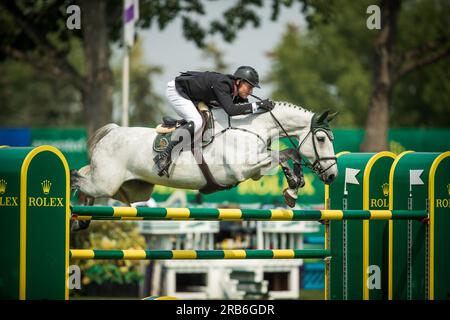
(164, 135)
(170, 124)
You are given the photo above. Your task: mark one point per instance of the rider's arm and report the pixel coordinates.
(226, 102)
(238, 99)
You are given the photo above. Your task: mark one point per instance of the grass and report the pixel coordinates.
(311, 295)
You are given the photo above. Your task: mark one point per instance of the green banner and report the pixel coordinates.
(71, 142)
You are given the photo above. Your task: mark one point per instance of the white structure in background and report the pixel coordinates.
(130, 17)
(223, 279)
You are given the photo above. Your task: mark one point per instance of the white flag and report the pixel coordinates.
(350, 177)
(414, 178)
(130, 16)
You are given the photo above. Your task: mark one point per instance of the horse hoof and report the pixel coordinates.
(289, 198)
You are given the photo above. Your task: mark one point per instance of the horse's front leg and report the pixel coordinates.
(294, 181)
(268, 163)
(294, 177)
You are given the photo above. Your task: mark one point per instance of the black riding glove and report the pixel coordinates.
(266, 105)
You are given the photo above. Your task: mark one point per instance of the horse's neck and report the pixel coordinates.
(291, 117)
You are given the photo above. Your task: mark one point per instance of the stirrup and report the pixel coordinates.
(165, 170)
(158, 159)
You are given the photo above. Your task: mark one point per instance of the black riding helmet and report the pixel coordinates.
(248, 74)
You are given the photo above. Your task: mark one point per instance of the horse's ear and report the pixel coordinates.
(323, 116)
(332, 116)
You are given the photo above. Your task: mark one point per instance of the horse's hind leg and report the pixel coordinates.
(124, 197)
(97, 183)
(77, 225)
(93, 184)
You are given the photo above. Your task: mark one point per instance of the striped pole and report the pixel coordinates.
(78, 254)
(144, 213)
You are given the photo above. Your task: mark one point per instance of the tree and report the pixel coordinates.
(146, 106)
(316, 71)
(330, 64)
(35, 32)
(212, 51)
(23, 89)
(393, 60)
(420, 98)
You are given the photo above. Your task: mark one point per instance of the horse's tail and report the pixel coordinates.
(98, 135)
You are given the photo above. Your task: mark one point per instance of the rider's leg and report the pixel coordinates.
(185, 108)
(183, 136)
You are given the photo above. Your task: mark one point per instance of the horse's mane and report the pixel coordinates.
(290, 105)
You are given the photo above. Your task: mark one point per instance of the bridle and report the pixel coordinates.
(315, 166)
(313, 129)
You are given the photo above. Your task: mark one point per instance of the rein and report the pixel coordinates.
(230, 127)
(315, 166)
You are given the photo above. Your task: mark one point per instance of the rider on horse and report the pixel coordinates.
(229, 92)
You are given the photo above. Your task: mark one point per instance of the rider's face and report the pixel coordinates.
(244, 89)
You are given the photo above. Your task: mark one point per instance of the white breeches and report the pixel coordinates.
(184, 107)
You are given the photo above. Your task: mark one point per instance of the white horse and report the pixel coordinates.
(121, 165)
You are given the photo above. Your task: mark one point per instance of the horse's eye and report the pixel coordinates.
(321, 139)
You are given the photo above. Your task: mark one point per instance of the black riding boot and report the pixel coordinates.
(163, 159)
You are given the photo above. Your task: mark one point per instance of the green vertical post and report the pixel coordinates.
(35, 232)
(439, 203)
(355, 244)
(376, 232)
(11, 160)
(408, 239)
